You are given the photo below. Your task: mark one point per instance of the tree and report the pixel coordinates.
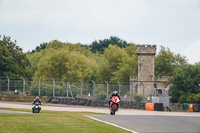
(39, 48)
(13, 61)
(185, 82)
(166, 62)
(102, 44)
(61, 61)
(120, 65)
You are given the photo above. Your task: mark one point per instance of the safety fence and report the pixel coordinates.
(62, 88)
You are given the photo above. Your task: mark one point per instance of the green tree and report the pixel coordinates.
(13, 62)
(60, 63)
(166, 62)
(34, 59)
(120, 65)
(185, 82)
(39, 48)
(102, 44)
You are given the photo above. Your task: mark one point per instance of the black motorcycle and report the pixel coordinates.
(36, 108)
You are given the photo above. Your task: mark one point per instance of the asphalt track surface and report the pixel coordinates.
(9, 111)
(130, 119)
(154, 124)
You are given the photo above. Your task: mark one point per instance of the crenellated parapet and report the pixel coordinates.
(133, 78)
(146, 49)
(162, 78)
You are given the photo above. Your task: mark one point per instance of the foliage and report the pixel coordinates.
(101, 95)
(138, 97)
(46, 89)
(185, 82)
(166, 62)
(39, 48)
(61, 61)
(13, 61)
(102, 44)
(120, 65)
(193, 98)
(74, 62)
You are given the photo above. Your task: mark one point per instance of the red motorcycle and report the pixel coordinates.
(114, 105)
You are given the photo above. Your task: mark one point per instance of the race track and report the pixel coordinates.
(130, 119)
(154, 124)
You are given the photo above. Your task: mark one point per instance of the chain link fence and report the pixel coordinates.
(80, 90)
(62, 89)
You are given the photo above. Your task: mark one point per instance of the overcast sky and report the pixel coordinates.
(172, 23)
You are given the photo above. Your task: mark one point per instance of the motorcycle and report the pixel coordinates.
(36, 108)
(114, 105)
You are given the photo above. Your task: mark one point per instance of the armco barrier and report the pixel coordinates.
(92, 102)
(154, 106)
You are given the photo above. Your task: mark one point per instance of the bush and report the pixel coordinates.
(138, 97)
(101, 96)
(47, 90)
(193, 98)
(75, 90)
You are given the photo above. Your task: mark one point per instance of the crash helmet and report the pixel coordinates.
(115, 92)
(37, 97)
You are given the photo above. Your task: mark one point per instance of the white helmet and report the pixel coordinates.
(115, 92)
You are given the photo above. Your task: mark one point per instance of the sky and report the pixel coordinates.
(171, 23)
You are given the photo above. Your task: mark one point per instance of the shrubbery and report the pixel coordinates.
(138, 97)
(47, 90)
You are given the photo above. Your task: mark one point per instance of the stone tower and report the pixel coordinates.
(145, 81)
(146, 55)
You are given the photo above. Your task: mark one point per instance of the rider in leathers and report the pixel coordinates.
(115, 93)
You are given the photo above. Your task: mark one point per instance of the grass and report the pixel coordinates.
(53, 122)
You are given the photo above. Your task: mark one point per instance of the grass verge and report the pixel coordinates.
(51, 122)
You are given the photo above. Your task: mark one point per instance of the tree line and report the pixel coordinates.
(111, 60)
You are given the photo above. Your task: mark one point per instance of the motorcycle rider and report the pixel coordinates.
(37, 99)
(115, 93)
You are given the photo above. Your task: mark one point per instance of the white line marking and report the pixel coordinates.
(111, 124)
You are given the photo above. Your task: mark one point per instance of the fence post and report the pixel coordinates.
(53, 87)
(119, 87)
(0, 86)
(69, 88)
(94, 86)
(23, 86)
(8, 83)
(81, 87)
(39, 87)
(131, 91)
(107, 86)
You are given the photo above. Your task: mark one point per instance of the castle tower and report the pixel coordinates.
(146, 55)
(146, 82)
